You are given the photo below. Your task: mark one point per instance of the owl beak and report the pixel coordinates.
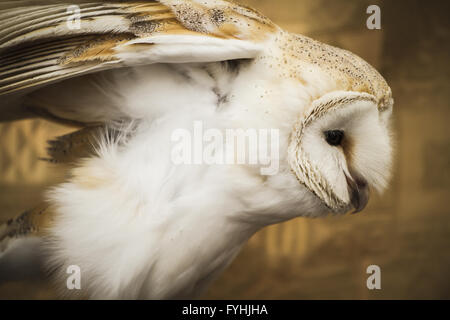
(359, 192)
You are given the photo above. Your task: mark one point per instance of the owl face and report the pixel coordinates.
(340, 149)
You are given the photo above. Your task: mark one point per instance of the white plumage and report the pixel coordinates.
(137, 224)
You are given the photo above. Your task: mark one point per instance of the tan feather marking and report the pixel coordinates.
(350, 72)
(238, 23)
(100, 49)
(73, 146)
(23, 54)
(224, 20)
(229, 30)
(348, 148)
(151, 16)
(31, 222)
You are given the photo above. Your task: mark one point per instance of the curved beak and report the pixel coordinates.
(359, 192)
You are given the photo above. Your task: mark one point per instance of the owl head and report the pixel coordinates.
(340, 148)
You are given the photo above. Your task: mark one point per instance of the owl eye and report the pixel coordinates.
(334, 137)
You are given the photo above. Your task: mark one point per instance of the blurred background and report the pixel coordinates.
(406, 231)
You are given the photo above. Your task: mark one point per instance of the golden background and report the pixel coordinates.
(406, 231)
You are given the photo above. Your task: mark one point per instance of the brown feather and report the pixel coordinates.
(31, 222)
(71, 147)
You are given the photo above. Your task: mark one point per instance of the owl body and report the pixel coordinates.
(174, 227)
(140, 225)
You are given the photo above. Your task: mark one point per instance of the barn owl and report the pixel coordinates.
(128, 74)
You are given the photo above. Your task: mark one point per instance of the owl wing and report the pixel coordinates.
(44, 42)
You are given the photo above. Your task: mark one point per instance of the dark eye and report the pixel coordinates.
(334, 137)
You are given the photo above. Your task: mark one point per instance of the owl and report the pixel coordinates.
(131, 75)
